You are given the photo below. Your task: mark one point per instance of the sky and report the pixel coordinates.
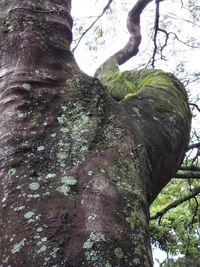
(116, 35)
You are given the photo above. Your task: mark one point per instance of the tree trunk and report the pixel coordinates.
(78, 169)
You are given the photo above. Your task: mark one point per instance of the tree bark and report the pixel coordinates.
(78, 169)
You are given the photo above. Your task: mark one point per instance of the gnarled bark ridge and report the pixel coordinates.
(78, 169)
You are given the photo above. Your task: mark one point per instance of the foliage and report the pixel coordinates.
(177, 231)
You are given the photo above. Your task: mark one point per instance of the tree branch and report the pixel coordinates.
(175, 204)
(93, 23)
(189, 168)
(195, 105)
(156, 28)
(188, 175)
(196, 145)
(131, 48)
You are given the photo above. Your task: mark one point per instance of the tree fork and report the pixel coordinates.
(78, 169)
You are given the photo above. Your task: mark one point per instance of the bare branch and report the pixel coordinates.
(131, 48)
(156, 28)
(194, 214)
(173, 16)
(188, 175)
(196, 145)
(195, 105)
(93, 23)
(190, 168)
(175, 204)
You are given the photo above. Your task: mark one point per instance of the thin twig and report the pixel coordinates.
(93, 23)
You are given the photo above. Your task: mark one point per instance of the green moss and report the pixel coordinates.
(122, 85)
(129, 95)
(119, 253)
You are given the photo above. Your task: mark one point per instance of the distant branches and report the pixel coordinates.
(93, 23)
(131, 48)
(175, 204)
(157, 29)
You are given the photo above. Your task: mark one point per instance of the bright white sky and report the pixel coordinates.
(116, 35)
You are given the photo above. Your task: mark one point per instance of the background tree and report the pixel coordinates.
(80, 164)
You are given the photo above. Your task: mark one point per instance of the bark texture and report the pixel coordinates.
(78, 169)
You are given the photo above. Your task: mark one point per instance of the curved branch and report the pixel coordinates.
(175, 204)
(195, 105)
(131, 48)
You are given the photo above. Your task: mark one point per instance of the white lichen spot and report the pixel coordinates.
(64, 130)
(102, 171)
(90, 173)
(38, 217)
(92, 217)
(62, 155)
(62, 92)
(93, 238)
(54, 252)
(40, 148)
(19, 208)
(18, 187)
(34, 196)
(16, 247)
(42, 249)
(26, 86)
(4, 199)
(34, 186)
(50, 175)
(21, 115)
(67, 182)
(39, 229)
(29, 214)
(11, 172)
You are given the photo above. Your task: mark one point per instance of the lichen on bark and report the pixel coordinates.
(78, 168)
